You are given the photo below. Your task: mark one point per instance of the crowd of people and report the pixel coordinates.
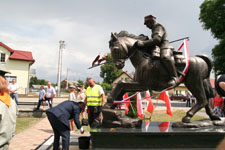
(67, 114)
(61, 117)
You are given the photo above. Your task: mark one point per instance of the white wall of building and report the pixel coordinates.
(18, 69)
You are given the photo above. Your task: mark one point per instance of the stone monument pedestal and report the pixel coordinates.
(157, 135)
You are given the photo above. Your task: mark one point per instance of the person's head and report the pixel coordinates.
(149, 21)
(49, 84)
(71, 88)
(90, 82)
(42, 87)
(13, 81)
(3, 85)
(82, 106)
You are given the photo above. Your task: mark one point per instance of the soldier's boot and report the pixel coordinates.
(170, 65)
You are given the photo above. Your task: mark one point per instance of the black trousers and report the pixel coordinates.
(94, 113)
(59, 130)
(46, 99)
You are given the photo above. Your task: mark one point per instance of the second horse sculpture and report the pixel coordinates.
(151, 74)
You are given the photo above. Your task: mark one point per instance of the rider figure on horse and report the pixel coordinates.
(160, 39)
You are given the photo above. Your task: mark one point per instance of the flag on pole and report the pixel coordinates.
(165, 97)
(139, 106)
(126, 105)
(149, 102)
(164, 126)
(186, 54)
(145, 125)
(124, 100)
(96, 59)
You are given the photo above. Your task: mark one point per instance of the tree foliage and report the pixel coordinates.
(109, 73)
(212, 15)
(218, 53)
(36, 81)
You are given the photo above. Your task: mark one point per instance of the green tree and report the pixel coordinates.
(80, 83)
(36, 81)
(109, 73)
(212, 15)
(33, 80)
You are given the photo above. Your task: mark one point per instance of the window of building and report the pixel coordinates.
(2, 59)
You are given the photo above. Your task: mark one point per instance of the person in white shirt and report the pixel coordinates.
(13, 89)
(79, 95)
(71, 94)
(71, 98)
(50, 94)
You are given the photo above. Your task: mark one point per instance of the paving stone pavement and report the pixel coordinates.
(32, 137)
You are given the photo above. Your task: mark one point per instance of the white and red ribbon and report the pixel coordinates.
(186, 54)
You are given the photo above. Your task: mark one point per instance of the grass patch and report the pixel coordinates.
(159, 115)
(25, 123)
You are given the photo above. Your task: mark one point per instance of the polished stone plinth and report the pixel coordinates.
(157, 135)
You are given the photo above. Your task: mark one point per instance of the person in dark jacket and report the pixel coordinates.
(59, 117)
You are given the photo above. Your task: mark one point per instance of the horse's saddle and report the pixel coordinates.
(178, 56)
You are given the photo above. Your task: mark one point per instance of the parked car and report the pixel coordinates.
(178, 97)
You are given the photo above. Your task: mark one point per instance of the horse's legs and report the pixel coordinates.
(211, 115)
(197, 89)
(209, 94)
(123, 87)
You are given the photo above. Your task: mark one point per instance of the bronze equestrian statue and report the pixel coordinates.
(152, 73)
(160, 39)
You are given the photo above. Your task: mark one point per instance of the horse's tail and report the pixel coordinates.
(207, 85)
(208, 61)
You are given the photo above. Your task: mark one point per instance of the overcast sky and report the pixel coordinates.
(85, 26)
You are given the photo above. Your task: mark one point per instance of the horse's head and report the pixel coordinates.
(119, 50)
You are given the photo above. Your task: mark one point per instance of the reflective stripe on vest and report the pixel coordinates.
(93, 97)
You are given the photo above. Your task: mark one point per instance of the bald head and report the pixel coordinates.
(49, 84)
(90, 82)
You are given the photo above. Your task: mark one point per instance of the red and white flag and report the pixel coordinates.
(145, 125)
(186, 54)
(126, 105)
(139, 106)
(149, 102)
(164, 126)
(165, 97)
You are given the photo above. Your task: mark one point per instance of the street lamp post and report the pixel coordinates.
(61, 47)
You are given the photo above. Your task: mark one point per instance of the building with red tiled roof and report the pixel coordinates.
(18, 62)
(124, 76)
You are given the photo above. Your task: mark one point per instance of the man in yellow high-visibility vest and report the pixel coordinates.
(95, 99)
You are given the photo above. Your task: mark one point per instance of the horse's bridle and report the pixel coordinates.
(129, 54)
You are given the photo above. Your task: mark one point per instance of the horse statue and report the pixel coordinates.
(151, 74)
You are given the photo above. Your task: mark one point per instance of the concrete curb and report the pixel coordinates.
(47, 144)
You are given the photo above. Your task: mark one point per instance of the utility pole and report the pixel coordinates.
(61, 47)
(67, 78)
